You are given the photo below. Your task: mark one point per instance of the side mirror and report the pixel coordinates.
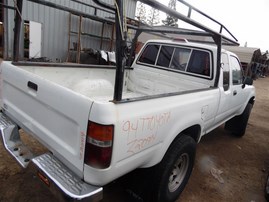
(247, 81)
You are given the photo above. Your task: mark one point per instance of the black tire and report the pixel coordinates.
(267, 189)
(173, 172)
(238, 124)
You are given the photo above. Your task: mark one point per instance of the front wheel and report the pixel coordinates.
(267, 189)
(238, 124)
(174, 170)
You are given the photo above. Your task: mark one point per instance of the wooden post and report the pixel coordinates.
(79, 39)
(112, 37)
(69, 38)
(102, 35)
(17, 31)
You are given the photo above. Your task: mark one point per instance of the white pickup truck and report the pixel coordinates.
(172, 96)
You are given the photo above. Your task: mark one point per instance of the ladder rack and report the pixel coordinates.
(217, 37)
(230, 39)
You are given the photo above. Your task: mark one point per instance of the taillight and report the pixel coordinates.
(99, 144)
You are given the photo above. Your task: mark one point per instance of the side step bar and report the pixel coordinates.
(47, 167)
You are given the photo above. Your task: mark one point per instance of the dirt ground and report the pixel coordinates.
(226, 169)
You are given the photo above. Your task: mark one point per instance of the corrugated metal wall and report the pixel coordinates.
(55, 26)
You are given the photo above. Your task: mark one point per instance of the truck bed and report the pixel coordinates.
(98, 83)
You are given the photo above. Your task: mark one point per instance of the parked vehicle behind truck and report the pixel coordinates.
(173, 94)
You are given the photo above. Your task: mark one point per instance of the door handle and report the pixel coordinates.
(234, 92)
(32, 85)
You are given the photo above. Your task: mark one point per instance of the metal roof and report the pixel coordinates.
(245, 54)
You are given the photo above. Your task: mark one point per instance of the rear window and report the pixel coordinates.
(199, 63)
(183, 59)
(180, 58)
(149, 54)
(165, 56)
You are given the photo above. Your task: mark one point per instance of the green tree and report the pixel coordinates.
(141, 12)
(171, 21)
(153, 17)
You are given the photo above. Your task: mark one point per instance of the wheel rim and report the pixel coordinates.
(179, 172)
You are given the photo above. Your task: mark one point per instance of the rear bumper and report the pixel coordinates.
(57, 176)
(62, 181)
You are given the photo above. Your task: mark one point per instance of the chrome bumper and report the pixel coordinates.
(47, 167)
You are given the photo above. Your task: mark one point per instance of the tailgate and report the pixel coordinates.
(55, 115)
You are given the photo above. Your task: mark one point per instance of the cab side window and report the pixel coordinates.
(237, 72)
(226, 71)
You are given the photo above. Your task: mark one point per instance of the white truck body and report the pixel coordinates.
(56, 104)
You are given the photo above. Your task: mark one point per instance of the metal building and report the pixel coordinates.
(54, 33)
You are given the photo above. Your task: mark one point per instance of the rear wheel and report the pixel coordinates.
(238, 124)
(173, 173)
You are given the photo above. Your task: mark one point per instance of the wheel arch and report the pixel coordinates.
(252, 100)
(193, 131)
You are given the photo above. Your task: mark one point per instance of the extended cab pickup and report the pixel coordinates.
(173, 94)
